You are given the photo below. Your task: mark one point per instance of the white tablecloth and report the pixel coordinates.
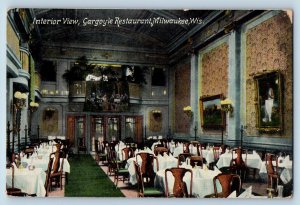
(253, 160)
(29, 181)
(286, 169)
(208, 154)
(202, 181)
(164, 162)
(43, 163)
(56, 137)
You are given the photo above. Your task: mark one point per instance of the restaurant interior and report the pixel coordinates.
(149, 103)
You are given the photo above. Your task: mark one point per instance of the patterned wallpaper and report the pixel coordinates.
(215, 71)
(268, 48)
(182, 96)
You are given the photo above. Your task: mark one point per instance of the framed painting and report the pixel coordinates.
(269, 102)
(212, 117)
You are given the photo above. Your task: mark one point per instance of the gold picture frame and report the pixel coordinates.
(269, 102)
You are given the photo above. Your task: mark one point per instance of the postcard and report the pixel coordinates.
(149, 103)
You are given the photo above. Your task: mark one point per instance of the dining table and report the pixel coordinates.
(207, 153)
(253, 160)
(202, 184)
(164, 162)
(285, 166)
(29, 181)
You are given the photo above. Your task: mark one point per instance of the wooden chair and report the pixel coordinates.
(199, 149)
(145, 191)
(223, 148)
(147, 167)
(120, 172)
(182, 158)
(48, 173)
(12, 191)
(272, 171)
(28, 151)
(229, 183)
(238, 165)
(196, 161)
(111, 158)
(97, 153)
(81, 147)
(179, 187)
(161, 150)
(57, 169)
(102, 152)
(127, 152)
(186, 147)
(216, 153)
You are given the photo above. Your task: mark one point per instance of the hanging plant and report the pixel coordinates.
(79, 71)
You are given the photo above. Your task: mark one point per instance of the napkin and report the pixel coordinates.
(287, 158)
(232, 195)
(247, 193)
(217, 170)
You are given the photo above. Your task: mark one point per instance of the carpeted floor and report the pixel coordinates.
(86, 179)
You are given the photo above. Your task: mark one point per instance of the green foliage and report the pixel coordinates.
(79, 71)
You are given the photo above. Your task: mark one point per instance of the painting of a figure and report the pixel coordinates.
(211, 113)
(269, 101)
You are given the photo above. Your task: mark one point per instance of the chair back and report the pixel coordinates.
(127, 152)
(48, 173)
(147, 162)
(160, 150)
(271, 169)
(182, 158)
(216, 151)
(196, 161)
(96, 144)
(229, 183)
(223, 148)
(179, 188)
(238, 161)
(58, 162)
(199, 149)
(186, 147)
(139, 179)
(147, 166)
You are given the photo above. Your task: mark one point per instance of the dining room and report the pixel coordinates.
(149, 103)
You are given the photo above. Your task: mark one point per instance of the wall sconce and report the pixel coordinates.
(188, 111)
(33, 106)
(226, 105)
(156, 113)
(20, 100)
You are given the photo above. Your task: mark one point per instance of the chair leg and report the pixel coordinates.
(61, 182)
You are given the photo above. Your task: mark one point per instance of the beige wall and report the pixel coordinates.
(269, 48)
(215, 71)
(12, 40)
(182, 96)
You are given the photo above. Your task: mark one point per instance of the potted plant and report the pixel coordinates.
(76, 75)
